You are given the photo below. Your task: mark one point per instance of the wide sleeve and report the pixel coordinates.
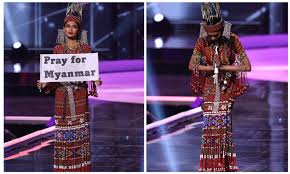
(58, 49)
(240, 83)
(238, 49)
(197, 78)
(86, 48)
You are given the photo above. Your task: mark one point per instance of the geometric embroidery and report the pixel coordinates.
(72, 134)
(217, 146)
(224, 107)
(60, 153)
(73, 152)
(216, 121)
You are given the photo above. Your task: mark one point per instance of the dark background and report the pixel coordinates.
(247, 18)
(115, 30)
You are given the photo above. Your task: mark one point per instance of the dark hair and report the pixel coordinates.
(79, 26)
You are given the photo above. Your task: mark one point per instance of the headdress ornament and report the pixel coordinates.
(212, 20)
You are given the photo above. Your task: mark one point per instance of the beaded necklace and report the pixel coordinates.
(66, 47)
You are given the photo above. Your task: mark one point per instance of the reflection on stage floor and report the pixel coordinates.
(260, 121)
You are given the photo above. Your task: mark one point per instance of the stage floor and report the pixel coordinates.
(117, 141)
(260, 121)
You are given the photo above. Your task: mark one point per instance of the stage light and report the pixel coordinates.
(17, 45)
(161, 26)
(225, 13)
(158, 17)
(21, 6)
(158, 42)
(100, 7)
(17, 67)
(51, 25)
(18, 54)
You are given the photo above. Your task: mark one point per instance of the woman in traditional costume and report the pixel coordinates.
(218, 64)
(72, 133)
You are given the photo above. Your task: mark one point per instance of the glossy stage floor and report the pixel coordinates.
(116, 119)
(260, 117)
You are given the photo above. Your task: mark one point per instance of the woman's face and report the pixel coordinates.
(71, 29)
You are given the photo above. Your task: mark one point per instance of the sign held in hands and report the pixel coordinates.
(69, 67)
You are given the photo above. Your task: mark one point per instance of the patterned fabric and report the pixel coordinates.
(72, 134)
(230, 52)
(226, 31)
(214, 28)
(217, 152)
(217, 121)
(72, 18)
(197, 83)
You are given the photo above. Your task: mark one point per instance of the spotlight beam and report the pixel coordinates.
(10, 24)
(126, 13)
(159, 112)
(39, 18)
(257, 14)
(252, 17)
(105, 37)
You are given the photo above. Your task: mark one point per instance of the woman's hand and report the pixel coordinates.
(98, 82)
(217, 61)
(40, 85)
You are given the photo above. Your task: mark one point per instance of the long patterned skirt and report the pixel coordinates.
(72, 134)
(217, 148)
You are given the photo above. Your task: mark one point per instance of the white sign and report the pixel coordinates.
(69, 67)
